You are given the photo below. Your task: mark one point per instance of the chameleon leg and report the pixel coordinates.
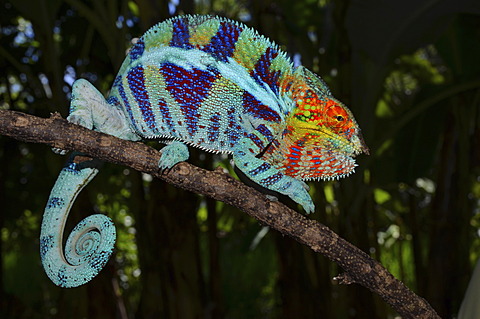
(172, 154)
(89, 109)
(91, 242)
(268, 176)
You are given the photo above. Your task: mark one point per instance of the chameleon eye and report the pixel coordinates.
(339, 118)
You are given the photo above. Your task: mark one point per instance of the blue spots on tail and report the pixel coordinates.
(272, 179)
(98, 260)
(222, 44)
(63, 278)
(55, 202)
(46, 243)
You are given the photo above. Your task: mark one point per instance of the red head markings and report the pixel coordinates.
(321, 137)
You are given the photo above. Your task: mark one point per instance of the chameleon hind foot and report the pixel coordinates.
(172, 154)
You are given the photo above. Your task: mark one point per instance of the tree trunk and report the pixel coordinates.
(168, 248)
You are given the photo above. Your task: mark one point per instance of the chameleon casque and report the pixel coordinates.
(211, 83)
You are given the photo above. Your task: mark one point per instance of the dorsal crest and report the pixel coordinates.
(312, 81)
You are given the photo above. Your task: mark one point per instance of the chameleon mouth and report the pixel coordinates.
(339, 164)
(349, 146)
(340, 140)
(317, 154)
(360, 145)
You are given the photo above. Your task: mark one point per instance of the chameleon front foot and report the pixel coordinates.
(298, 192)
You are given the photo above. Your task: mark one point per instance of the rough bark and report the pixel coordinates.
(358, 266)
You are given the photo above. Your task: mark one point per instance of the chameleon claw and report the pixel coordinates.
(172, 154)
(298, 192)
(305, 185)
(59, 151)
(272, 198)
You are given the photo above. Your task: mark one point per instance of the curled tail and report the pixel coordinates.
(91, 242)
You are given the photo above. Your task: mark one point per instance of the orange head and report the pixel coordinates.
(321, 137)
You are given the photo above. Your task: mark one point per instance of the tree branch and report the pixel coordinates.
(359, 267)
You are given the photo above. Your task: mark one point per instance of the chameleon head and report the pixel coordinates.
(321, 137)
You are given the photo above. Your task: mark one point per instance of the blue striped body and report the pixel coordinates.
(186, 79)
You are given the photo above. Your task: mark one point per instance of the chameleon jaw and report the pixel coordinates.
(333, 168)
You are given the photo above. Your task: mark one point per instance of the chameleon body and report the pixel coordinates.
(215, 84)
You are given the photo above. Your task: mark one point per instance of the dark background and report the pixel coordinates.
(409, 71)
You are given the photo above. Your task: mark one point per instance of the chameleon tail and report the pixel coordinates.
(91, 242)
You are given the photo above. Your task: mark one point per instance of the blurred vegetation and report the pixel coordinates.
(409, 72)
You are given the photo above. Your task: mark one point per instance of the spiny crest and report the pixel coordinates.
(226, 45)
(219, 36)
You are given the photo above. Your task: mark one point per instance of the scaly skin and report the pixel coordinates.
(321, 136)
(89, 245)
(218, 85)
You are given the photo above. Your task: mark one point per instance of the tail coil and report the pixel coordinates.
(91, 242)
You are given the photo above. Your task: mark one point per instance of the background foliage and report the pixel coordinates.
(409, 71)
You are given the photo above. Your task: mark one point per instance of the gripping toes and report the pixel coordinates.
(172, 154)
(266, 175)
(81, 118)
(298, 191)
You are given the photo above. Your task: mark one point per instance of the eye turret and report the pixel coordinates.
(337, 117)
